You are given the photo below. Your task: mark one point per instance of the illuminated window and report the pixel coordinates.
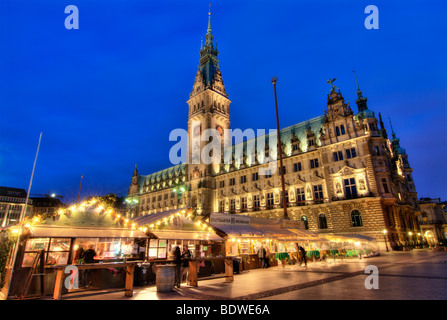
(318, 192)
(232, 206)
(300, 196)
(256, 202)
(350, 188)
(244, 204)
(221, 206)
(269, 200)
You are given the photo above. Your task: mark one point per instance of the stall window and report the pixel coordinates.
(56, 250)
(157, 249)
(59, 251)
(356, 218)
(106, 248)
(33, 246)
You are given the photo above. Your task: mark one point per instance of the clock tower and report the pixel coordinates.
(209, 108)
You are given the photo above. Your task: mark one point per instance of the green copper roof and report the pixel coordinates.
(209, 62)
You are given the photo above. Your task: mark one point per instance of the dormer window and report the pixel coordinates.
(340, 130)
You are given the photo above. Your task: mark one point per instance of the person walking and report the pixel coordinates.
(303, 255)
(178, 265)
(262, 254)
(186, 256)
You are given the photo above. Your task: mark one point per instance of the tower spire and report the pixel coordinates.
(209, 35)
(395, 142)
(209, 62)
(359, 92)
(382, 127)
(392, 130)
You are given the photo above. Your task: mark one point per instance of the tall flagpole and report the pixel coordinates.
(80, 185)
(22, 214)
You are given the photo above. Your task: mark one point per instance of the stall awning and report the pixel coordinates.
(186, 235)
(236, 230)
(79, 232)
(347, 237)
(271, 228)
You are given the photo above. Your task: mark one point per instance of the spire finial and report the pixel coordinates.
(209, 19)
(392, 130)
(391, 124)
(359, 92)
(209, 35)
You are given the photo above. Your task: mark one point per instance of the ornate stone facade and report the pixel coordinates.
(342, 173)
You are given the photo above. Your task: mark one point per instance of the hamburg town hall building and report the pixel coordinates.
(343, 173)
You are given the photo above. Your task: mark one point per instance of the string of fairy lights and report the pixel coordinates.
(105, 208)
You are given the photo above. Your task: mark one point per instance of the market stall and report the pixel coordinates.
(84, 234)
(246, 235)
(350, 246)
(180, 227)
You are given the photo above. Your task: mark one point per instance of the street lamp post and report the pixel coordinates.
(384, 238)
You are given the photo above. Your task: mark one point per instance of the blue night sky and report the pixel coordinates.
(106, 96)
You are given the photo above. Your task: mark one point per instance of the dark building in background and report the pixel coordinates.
(12, 202)
(47, 205)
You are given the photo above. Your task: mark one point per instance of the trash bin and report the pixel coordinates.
(165, 277)
(237, 265)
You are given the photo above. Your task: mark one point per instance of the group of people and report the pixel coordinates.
(264, 258)
(181, 260)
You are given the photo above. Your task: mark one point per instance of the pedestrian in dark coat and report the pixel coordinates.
(178, 266)
(262, 256)
(303, 254)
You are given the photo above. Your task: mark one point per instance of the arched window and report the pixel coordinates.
(322, 222)
(306, 223)
(356, 218)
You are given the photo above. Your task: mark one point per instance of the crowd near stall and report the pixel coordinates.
(108, 249)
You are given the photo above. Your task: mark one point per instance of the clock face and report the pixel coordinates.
(220, 130)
